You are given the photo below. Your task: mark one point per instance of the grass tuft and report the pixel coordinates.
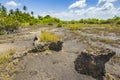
(4, 57)
(48, 37)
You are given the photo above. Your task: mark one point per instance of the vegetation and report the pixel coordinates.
(4, 75)
(13, 19)
(48, 37)
(59, 24)
(4, 57)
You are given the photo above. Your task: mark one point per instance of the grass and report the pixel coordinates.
(2, 32)
(94, 27)
(73, 27)
(107, 41)
(48, 37)
(5, 56)
(5, 77)
(116, 59)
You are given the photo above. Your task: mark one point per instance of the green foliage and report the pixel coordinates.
(48, 37)
(5, 56)
(59, 24)
(2, 32)
(13, 19)
(73, 27)
(114, 20)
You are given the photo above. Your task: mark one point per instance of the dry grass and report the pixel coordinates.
(6, 55)
(48, 37)
(107, 41)
(95, 28)
(4, 62)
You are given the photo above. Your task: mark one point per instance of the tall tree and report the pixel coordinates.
(25, 8)
(32, 12)
(3, 11)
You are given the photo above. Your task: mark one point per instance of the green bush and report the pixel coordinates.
(2, 32)
(59, 25)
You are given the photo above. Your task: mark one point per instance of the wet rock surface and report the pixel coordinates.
(93, 64)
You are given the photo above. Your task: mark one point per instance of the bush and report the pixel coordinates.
(48, 37)
(59, 25)
(2, 32)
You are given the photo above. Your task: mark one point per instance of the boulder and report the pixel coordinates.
(93, 64)
(56, 46)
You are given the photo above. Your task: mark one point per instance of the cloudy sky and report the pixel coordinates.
(68, 9)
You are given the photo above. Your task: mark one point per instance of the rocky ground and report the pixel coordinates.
(52, 65)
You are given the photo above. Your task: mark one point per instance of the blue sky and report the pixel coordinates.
(68, 9)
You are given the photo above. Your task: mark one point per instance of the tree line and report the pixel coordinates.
(114, 20)
(13, 19)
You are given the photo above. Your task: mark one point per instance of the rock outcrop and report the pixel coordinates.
(56, 46)
(93, 64)
(42, 46)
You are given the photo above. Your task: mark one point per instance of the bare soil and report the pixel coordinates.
(51, 65)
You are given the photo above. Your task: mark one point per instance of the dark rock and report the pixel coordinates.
(40, 47)
(35, 38)
(93, 64)
(56, 46)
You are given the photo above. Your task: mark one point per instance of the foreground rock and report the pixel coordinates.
(42, 46)
(93, 64)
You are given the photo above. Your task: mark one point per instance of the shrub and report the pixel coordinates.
(48, 37)
(59, 25)
(2, 32)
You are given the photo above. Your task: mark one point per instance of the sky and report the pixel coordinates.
(68, 9)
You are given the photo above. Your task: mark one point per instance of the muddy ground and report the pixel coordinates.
(51, 65)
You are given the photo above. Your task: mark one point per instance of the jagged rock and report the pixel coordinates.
(40, 46)
(93, 64)
(56, 46)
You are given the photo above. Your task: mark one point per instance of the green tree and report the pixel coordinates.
(25, 8)
(11, 11)
(32, 12)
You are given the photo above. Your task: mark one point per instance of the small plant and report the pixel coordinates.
(48, 37)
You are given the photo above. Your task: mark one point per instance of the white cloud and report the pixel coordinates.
(78, 4)
(103, 11)
(12, 3)
(108, 6)
(100, 2)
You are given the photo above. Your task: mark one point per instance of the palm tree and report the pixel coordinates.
(3, 11)
(25, 8)
(32, 12)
